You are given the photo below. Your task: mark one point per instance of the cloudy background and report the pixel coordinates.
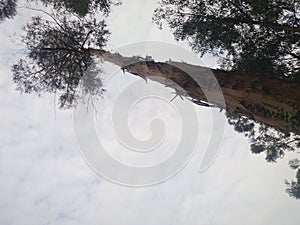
(44, 179)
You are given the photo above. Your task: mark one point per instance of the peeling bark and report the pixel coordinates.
(268, 100)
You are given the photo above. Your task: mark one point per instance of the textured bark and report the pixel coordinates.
(267, 100)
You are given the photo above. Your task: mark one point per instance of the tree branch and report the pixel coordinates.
(86, 38)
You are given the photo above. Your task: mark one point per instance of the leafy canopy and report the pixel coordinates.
(251, 36)
(264, 138)
(293, 187)
(82, 7)
(78, 7)
(272, 142)
(58, 57)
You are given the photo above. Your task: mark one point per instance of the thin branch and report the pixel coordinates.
(54, 19)
(240, 9)
(86, 38)
(60, 49)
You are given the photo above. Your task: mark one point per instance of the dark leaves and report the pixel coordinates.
(294, 164)
(263, 138)
(293, 189)
(58, 56)
(82, 7)
(7, 9)
(256, 149)
(250, 36)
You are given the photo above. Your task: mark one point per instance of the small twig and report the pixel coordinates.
(176, 96)
(86, 38)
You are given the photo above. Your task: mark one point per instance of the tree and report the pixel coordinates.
(79, 7)
(82, 7)
(70, 43)
(254, 37)
(58, 57)
(62, 52)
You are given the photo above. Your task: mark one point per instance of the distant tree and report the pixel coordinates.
(63, 51)
(255, 37)
(58, 57)
(7, 9)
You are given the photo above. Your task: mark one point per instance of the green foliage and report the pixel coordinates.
(251, 36)
(58, 57)
(78, 7)
(7, 9)
(293, 189)
(263, 138)
(81, 7)
(294, 163)
(272, 142)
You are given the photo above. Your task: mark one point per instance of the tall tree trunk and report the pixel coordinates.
(267, 100)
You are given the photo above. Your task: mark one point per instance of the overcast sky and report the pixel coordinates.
(45, 180)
